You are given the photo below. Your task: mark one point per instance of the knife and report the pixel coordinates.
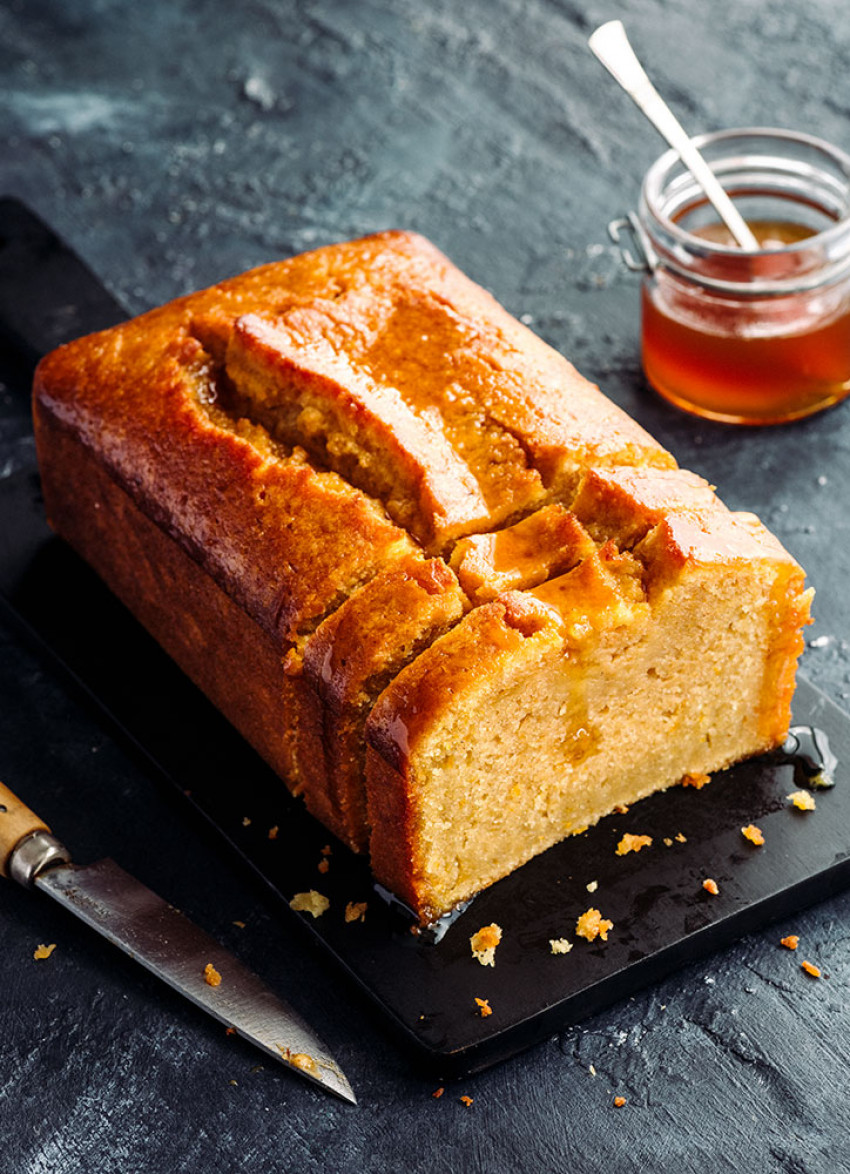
(163, 940)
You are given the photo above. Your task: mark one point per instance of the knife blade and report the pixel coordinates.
(164, 941)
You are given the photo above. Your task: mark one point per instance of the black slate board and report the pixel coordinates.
(662, 916)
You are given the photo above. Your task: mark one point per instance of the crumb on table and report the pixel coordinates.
(753, 834)
(42, 952)
(710, 886)
(811, 969)
(791, 942)
(356, 910)
(438, 1092)
(619, 1102)
(802, 800)
(467, 1100)
(484, 1008)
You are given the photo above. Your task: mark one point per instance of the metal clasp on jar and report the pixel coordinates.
(647, 261)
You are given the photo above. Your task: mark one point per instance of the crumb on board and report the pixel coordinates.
(619, 1102)
(467, 1100)
(324, 864)
(668, 843)
(211, 975)
(438, 1092)
(802, 800)
(560, 945)
(753, 834)
(356, 910)
(239, 924)
(246, 821)
(273, 832)
(592, 887)
(310, 902)
(484, 1008)
(710, 886)
(696, 780)
(326, 851)
(791, 942)
(680, 838)
(484, 943)
(42, 952)
(631, 843)
(230, 1031)
(811, 969)
(592, 925)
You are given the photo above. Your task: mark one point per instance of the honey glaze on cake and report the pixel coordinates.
(489, 608)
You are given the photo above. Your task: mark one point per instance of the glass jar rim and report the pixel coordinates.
(653, 185)
(820, 172)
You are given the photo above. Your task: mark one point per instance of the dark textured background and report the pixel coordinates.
(174, 144)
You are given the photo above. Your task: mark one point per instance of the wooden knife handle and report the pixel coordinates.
(16, 822)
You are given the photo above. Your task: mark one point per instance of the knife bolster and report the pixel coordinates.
(32, 855)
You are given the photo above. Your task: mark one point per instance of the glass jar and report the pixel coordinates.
(747, 337)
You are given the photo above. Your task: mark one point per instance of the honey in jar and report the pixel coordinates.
(749, 337)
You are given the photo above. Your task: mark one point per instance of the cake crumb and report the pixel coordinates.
(791, 942)
(211, 975)
(753, 834)
(467, 1101)
(619, 1102)
(230, 1031)
(630, 843)
(273, 832)
(680, 838)
(305, 1062)
(668, 843)
(246, 822)
(326, 851)
(560, 945)
(356, 910)
(591, 1069)
(324, 864)
(42, 952)
(697, 780)
(484, 1008)
(592, 925)
(811, 969)
(239, 924)
(802, 800)
(593, 886)
(310, 902)
(710, 886)
(438, 1092)
(484, 944)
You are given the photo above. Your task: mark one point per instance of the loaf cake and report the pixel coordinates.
(458, 600)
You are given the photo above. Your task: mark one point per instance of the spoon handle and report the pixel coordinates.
(611, 46)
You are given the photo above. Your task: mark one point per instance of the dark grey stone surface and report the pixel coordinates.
(174, 144)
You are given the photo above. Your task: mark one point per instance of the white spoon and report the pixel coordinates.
(611, 46)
